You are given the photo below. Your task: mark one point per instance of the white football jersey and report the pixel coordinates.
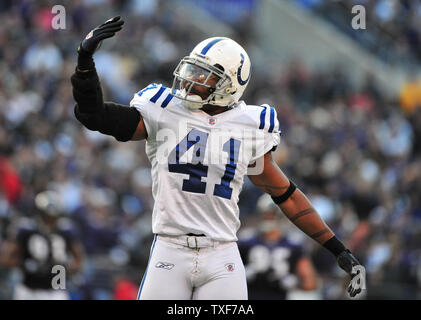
(199, 161)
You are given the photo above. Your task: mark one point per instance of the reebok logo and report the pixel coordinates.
(164, 265)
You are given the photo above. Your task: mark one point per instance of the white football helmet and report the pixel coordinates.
(221, 59)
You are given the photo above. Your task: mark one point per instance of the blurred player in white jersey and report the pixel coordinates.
(201, 140)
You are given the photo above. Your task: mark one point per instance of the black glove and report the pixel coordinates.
(94, 38)
(347, 261)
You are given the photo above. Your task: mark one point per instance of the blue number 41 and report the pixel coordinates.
(196, 169)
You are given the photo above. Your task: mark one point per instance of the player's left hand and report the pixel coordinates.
(347, 262)
(106, 30)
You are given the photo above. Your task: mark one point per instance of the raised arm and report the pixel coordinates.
(299, 210)
(120, 121)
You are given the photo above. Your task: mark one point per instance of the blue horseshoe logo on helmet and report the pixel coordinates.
(241, 81)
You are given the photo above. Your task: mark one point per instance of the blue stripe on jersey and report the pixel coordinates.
(158, 94)
(262, 118)
(167, 100)
(209, 45)
(272, 119)
(151, 86)
(146, 271)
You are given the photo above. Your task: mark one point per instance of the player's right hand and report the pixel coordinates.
(106, 30)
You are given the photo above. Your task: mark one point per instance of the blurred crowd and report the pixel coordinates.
(356, 155)
(392, 28)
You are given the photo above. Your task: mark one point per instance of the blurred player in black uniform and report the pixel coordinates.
(275, 266)
(37, 244)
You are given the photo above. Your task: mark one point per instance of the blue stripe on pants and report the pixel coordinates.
(146, 271)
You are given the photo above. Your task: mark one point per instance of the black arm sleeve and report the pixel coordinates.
(109, 118)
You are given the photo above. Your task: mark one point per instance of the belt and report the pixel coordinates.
(190, 240)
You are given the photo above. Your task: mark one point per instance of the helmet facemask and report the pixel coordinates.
(192, 72)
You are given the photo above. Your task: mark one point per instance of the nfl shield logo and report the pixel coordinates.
(230, 267)
(212, 121)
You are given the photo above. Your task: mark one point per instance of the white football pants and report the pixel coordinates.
(190, 267)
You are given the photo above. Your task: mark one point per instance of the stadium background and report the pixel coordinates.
(349, 103)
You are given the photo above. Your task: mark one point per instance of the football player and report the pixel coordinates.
(201, 140)
(275, 265)
(37, 245)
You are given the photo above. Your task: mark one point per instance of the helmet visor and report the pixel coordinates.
(197, 74)
(197, 82)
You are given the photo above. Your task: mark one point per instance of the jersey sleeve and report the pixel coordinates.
(269, 131)
(150, 102)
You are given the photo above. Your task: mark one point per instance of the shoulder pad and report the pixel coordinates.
(268, 119)
(264, 117)
(155, 93)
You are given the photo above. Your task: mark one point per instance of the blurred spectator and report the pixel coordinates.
(125, 290)
(43, 56)
(410, 95)
(10, 184)
(394, 26)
